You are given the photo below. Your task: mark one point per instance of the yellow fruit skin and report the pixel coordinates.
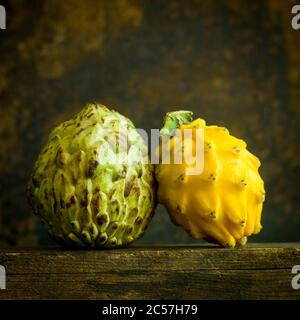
(223, 204)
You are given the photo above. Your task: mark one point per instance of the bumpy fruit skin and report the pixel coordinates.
(223, 204)
(85, 197)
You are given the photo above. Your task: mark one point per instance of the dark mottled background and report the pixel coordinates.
(233, 62)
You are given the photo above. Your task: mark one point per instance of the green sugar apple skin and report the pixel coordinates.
(81, 189)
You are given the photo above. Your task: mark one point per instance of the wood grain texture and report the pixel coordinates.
(169, 272)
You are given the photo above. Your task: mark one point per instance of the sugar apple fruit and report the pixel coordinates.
(92, 184)
(223, 203)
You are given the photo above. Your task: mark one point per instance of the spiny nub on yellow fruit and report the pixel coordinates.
(223, 203)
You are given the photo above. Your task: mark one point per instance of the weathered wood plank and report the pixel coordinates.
(180, 272)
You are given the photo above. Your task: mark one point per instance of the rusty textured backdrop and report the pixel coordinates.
(233, 62)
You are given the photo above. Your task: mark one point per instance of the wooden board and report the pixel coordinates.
(169, 272)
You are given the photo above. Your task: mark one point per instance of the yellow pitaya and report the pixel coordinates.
(223, 203)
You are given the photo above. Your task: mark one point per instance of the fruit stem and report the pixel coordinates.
(174, 120)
